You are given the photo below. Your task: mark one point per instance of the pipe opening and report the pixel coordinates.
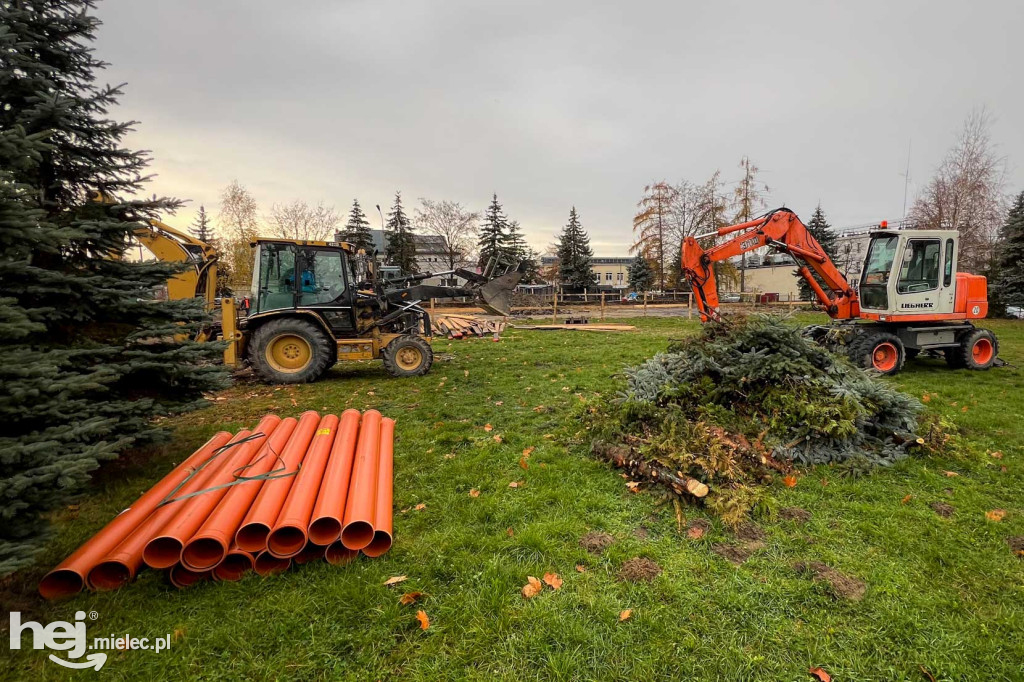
(203, 553)
(309, 553)
(252, 537)
(234, 566)
(109, 575)
(62, 583)
(268, 564)
(357, 535)
(183, 577)
(286, 541)
(162, 552)
(338, 554)
(380, 544)
(324, 530)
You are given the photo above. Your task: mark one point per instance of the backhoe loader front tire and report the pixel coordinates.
(408, 356)
(290, 351)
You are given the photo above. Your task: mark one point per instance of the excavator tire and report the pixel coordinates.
(977, 350)
(408, 356)
(880, 351)
(290, 351)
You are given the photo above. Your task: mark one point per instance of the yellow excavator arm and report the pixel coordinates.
(169, 244)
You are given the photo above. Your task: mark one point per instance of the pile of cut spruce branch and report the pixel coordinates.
(723, 413)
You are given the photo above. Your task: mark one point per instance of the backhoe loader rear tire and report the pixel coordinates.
(408, 356)
(290, 351)
(977, 350)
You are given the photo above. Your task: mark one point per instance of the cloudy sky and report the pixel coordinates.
(560, 103)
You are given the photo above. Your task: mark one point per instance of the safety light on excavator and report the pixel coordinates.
(884, 224)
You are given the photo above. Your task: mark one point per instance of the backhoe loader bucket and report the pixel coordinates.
(496, 295)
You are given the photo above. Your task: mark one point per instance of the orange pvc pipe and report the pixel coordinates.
(325, 523)
(309, 553)
(121, 564)
(288, 536)
(382, 516)
(252, 534)
(268, 564)
(70, 576)
(236, 564)
(164, 550)
(357, 530)
(210, 543)
(182, 577)
(339, 555)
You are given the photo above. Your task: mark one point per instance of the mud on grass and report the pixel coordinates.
(702, 618)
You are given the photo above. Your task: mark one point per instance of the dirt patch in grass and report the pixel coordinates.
(596, 541)
(641, 533)
(841, 585)
(1016, 544)
(639, 570)
(795, 514)
(942, 509)
(749, 532)
(737, 554)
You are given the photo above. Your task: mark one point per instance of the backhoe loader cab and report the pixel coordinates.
(315, 303)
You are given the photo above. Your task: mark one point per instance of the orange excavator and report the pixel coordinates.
(910, 298)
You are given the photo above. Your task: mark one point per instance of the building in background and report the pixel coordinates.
(431, 255)
(612, 273)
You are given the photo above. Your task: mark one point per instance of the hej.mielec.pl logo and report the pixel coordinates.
(71, 638)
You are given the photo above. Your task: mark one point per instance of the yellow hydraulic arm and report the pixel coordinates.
(169, 244)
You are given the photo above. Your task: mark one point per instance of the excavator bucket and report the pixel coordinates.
(496, 295)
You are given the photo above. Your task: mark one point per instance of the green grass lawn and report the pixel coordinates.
(943, 593)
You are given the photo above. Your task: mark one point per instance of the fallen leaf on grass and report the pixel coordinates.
(553, 580)
(633, 486)
(474, 493)
(394, 580)
(950, 474)
(421, 616)
(539, 409)
(295, 403)
(465, 372)
(789, 481)
(410, 598)
(820, 674)
(517, 484)
(626, 614)
(926, 398)
(488, 427)
(580, 568)
(997, 454)
(995, 514)
(906, 498)
(695, 532)
(500, 403)
(450, 455)
(529, 451)
(509, 532)
(420, 506)
(523, 464)
(532, 587)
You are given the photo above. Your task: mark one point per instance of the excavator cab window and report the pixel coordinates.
(920, 271)
(321, 276)
(874, 293)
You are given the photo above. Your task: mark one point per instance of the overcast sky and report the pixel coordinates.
(553, 104)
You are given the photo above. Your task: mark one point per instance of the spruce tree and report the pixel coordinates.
(401, 246)
(87, 357)
(494, 236)
(357, 229)
(202, 229)
(822, 231)
(575, 254)
(640, 273)
(1008, 287)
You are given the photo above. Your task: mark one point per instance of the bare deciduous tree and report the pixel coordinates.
(967, 193)
(238, 220)
(299, 220)
(453, 223)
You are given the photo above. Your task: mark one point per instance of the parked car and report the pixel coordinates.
(729, 298)
(1015, 311)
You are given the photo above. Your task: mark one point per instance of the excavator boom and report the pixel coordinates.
(779, 229)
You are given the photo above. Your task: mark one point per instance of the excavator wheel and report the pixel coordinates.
(977, 350)
(408, 356)
(880, 351)
(290, 351)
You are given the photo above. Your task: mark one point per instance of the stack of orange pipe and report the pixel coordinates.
(288, 491)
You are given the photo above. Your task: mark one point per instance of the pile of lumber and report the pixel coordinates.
(460, 326)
